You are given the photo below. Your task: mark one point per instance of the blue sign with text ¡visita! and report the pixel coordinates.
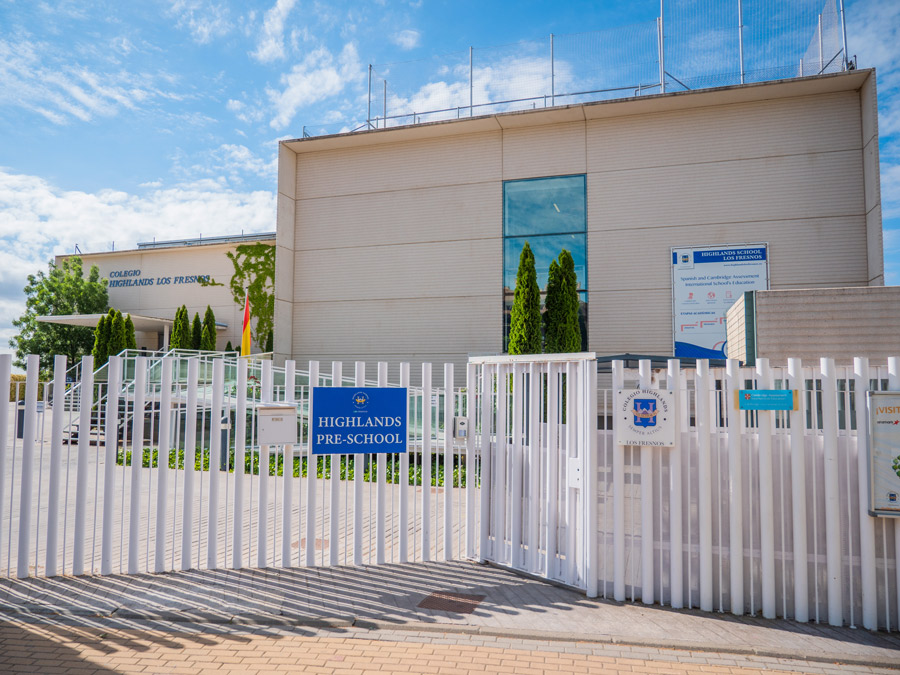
(353, 420)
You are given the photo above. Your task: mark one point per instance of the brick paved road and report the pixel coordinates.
(54, 647)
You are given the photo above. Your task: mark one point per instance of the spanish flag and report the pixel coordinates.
(245, 335)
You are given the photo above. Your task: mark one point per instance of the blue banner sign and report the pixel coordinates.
(706, 281)
(766, 399)
(349, 420)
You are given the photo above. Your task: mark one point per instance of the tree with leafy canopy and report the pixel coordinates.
(101, 340)
(551, 309)
(254, 275)
(181, 331)
(562, 330)
(208, 334)
(63, 289)
(196, 332)
(130, 338)
(525, 320)
(116, 336)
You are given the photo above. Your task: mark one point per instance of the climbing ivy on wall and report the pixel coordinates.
(254, 274)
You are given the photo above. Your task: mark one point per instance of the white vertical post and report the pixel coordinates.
(137, 455)
(798, 493)
(647, 580)
(591, 492)
(553, 453)
(821, 54)
(844, 36)
(81, 470)
(470, 459)
(866, 522)
(162, 471)
(741, 38)
(215, 464)
(240, 458)
(618, 381)
(832, 493)
(487, 388)
(515, 533)
(426, 461)
(676, 562)
(471, 101)
(404, 475)
(312, 471)
(894, 385)
(111, 436)
(766, 496)
(5, 375)
(190, 457)
(534, 467)
(552, 73)
(59, 397)
(381, 485)
(287, 471)
(735, 488)
(337, 380)
(661, 41)
(572, 492)
(359, 460)
(500, 464)
(32, 373)
(448, 461)
(704, 484)
(262, 517)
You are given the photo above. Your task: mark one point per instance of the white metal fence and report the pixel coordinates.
(750, 512)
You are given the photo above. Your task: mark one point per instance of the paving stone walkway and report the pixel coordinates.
(426, 617)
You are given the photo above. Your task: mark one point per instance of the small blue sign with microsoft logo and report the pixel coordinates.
(349, 420)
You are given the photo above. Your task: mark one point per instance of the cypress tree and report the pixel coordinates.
(228, 347)
(101, 341)
(569, 328)
(525, 322)
(551, 310)
(174, 337)
(269, 341)
(181, 331)
(116, 335)
(130, 339)
(196, 332)
(208, 335)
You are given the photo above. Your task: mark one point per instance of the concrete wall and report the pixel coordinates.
(161, 299)
(396, 235)
(841, 323)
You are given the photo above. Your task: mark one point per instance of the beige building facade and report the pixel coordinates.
(839, 323)
(391, 243)
(155, 279)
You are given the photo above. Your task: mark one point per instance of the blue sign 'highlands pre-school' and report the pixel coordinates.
(349, 420)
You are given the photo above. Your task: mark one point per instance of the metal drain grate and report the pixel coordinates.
(458, 603)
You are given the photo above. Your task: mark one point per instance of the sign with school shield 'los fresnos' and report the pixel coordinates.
(645, 417)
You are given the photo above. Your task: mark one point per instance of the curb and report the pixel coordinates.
(348, 621)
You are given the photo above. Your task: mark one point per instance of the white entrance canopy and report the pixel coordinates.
(144, 324)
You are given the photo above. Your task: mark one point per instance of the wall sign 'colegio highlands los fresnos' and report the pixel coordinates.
(645, 417)
(125, 278)
(358, 420)
(884, 452)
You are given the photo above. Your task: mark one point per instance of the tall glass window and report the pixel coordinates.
(551, 215)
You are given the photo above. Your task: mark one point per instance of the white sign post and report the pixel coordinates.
(645, 417)
(706, 281)
(884, 452)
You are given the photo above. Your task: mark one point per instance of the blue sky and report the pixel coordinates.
(121, 122)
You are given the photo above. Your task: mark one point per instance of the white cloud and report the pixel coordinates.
(318, 77)
(407, 39)
(271, 39)
(35, 78)
(205, 21)
(38, 220)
